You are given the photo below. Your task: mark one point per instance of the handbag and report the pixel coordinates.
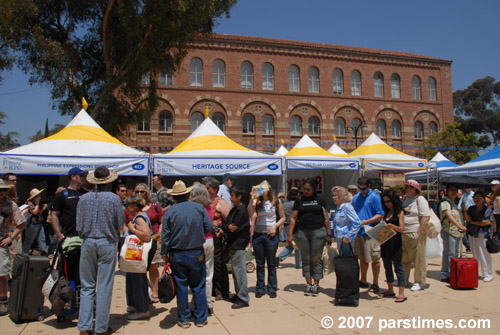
(134, 255)
(166, 286)
(347, 272)
(434, 225)
(328, 258)
(493, 243)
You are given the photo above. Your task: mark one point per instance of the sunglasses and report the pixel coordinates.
(387, 201)
(123, 190)
(307, 189)
(362, 188)
(140, 192)
(12, 180)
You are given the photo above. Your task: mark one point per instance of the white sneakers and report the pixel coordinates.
(488, 278)
(416, 287)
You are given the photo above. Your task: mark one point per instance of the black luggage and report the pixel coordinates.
(347, 272)
(26, 299)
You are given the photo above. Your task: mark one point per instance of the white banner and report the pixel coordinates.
(59, 165)
(188, 166)
(492, 171)
(306, 164)
(394, 165)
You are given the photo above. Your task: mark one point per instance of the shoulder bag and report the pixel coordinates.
(166, 286)
(134, 254)
(434, 225)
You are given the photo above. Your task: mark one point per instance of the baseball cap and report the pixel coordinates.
(75, 170)
(495, 182)
(228, 176)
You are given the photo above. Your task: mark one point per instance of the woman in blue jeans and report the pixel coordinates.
(262, 209)
(313, 231)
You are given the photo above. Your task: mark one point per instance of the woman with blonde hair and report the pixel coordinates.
(346, 222)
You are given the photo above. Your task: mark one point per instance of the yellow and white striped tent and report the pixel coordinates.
(337, 151)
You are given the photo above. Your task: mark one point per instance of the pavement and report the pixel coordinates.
(438, 309)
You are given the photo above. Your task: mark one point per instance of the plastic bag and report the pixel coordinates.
(434, 247)
(329, 253)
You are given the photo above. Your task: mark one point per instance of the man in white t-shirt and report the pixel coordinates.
(225, 188)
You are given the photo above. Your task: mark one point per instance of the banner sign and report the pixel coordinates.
(306, 164)
(60, 165)
(394, 165)
(491, 171)
(189, 166)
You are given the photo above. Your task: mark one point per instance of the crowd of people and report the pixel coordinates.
(198, 229)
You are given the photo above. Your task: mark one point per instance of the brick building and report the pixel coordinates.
(260, 90)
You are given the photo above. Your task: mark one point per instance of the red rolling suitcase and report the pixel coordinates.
(463, 271)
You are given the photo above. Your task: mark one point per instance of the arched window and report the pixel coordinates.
(267, 125)
(246, 75)
(339, 127)
(380, 128)
(267, 77)
(218, 119)
(356, 124)
(145, 79)
(313, 75)
(165, 122)
(355, 83)
(378, 85)
(293, 79)
(395, 86)
(167, 79)
(144, 125)
(415, 86)
(419, 130)
(295, 125)
(396, 129)
(196, 120)
(433, 128)
(431, 87)
(196, 72)
(338, 82)
(219, 73)
(314, 126)
(248, 124)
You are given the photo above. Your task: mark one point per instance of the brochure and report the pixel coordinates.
(380, 232)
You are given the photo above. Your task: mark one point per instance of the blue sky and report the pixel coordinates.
(466, 32)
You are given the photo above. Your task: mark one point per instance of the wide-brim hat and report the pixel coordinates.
(3, 185)
(102, 175)
(179, 188)
(413, 183)
(34, 192)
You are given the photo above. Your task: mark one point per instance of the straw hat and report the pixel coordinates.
(102, 175)
(34, 192)
(3, 186)
(179, 188)
(413, 183)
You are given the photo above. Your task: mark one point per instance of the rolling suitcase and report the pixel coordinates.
(463, 271)
(26, 299)
(347, 273)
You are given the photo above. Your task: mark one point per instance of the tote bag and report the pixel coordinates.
(134, 254)
(166, 286)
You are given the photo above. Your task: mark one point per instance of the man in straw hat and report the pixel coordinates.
(184, 226)
(99, 218)
(34, 227)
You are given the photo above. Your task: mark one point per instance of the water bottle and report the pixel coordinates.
(332, 216)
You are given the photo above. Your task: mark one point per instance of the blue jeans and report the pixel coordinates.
(32, 232)
(395, 260)
(188, 269)
(451, 244)
(238, 263)
(288, 250)
(265, 247)
(136, 288)
(346, 251)
(311, 243)
(97, 270)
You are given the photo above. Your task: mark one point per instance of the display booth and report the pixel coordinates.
(438, 162)
(485, 166)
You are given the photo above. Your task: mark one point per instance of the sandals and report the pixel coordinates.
(363, 285)
(386, 295)
(401, 299)
(374, 288)
(155, 300)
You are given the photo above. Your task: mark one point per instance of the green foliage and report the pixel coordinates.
(449, 139)
(477, 109)
(101, 49)
(39, 135)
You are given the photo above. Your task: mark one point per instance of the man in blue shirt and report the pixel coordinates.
(184, 227)
(368, 205)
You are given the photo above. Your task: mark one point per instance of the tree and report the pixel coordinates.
(477, 109)
(451, 142)
(41, 135)
(102, 49)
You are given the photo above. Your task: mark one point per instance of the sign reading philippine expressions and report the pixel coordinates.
(305, 164)
(53, 165)
(394, 165)
(217, 166)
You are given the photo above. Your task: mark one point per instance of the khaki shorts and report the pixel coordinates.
(367, 248)
(4, 261)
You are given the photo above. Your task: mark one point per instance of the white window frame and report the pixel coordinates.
(378, 85)
(267, 77)
(418, 128)
(395, 86)
(166, 79)
(267, 125)
(431, 88)
(381, 128)
(246, 75)
(313, 78)
(248, 124)
(432, 128)
(293, 78)
(355, 83)
(219, 74)
(144, 125)
(396, 129)
(415, 88)
(165, 122)
(219, 120)
(295, 126)
(340, 127)
(314, 126)
(196, 72)
(338, 82)
(196, 119)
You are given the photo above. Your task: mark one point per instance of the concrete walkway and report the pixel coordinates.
(437, 309)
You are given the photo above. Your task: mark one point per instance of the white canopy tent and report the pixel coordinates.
(439, 161)
(485, 166)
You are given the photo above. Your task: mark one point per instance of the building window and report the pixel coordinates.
(218, 119)
(145, 80)
(196, 72)
(293, 79)
(396, 129)
(246, 75)
(378, 85)
(196, 120)
(267, 77)
(338, 82)
(219, 73)
(167, 79)
(381, 128)
(419, 130)
(339, 127)
(355, 83)
(313, 75)
(144, 125)
(313, 126)
(165, 122)
(431, 86)
(267, 125)
(248, 124)
(432, 128)
(295, 125)
(415, 85)
(395, 86)
(356, 124)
